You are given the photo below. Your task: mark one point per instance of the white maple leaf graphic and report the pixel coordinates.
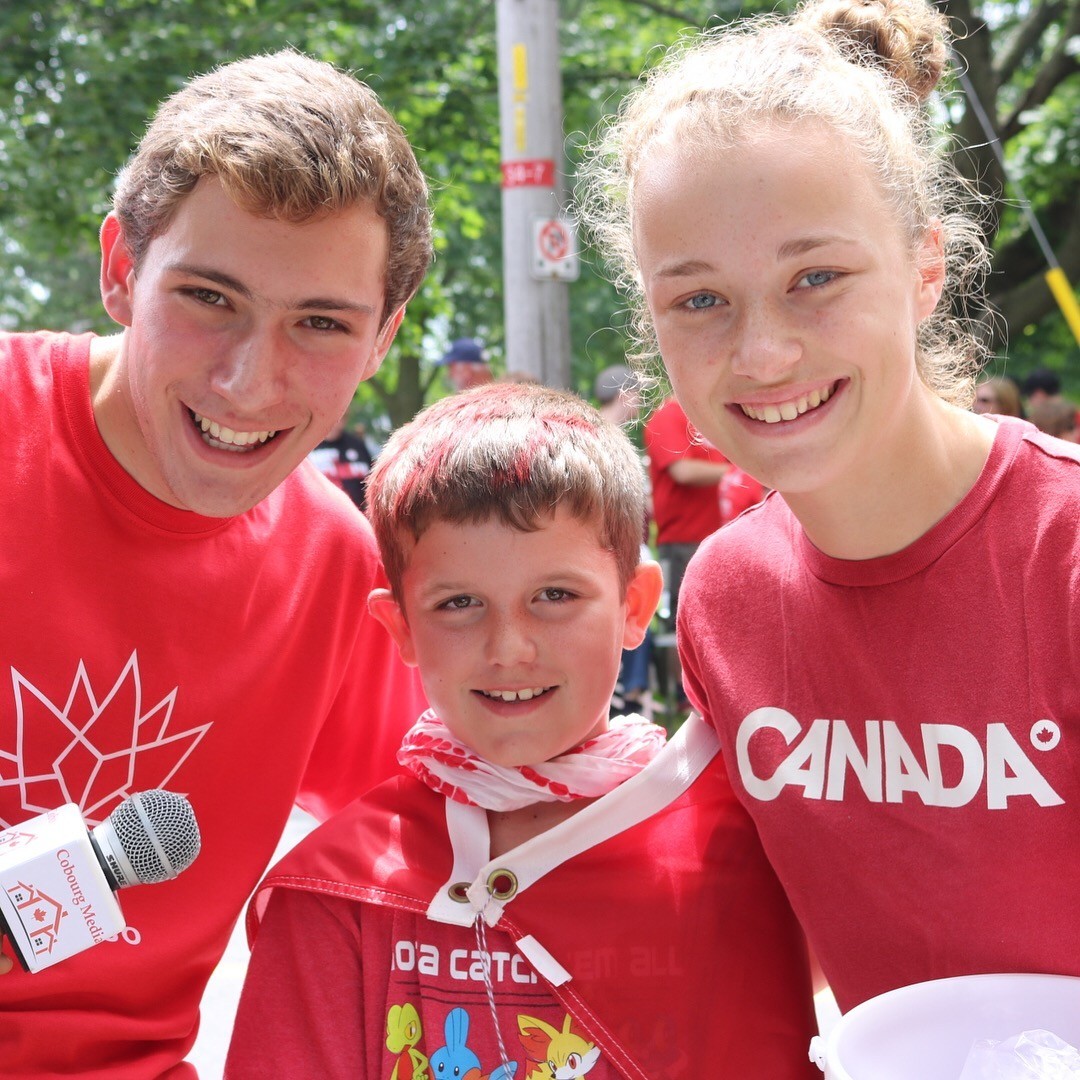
(92, 751)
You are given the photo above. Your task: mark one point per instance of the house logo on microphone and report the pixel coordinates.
(41, 916)
(11, 839)
(54, 897)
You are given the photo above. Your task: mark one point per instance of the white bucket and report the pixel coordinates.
(925, 1031)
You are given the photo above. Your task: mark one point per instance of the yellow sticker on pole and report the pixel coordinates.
(1066, 298)
(521, 68)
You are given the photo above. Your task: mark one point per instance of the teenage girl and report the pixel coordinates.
(888, 644)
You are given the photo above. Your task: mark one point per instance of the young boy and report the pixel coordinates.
(547, 895)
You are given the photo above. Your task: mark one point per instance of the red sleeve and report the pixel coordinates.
(670, 437)
(380, 699)
(667, 435)
(688, 664)
(301, 1011)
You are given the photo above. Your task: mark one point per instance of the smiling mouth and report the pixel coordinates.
(789, 410)
(515, 695)
(223, 438)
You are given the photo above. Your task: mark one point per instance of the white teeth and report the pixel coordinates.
(227, 437)
(787, 410)
(513, 695)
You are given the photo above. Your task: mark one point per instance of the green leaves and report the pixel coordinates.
(78, 82)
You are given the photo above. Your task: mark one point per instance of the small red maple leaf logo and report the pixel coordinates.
(39, 915)
(1044, 734)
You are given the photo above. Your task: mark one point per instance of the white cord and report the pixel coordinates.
(485, 964)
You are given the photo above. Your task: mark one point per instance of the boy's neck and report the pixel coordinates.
(509, 829)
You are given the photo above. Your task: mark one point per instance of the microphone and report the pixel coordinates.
(58, 879)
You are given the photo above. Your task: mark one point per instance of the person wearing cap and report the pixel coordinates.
(1041, 384)
(685, 471)
(618, 394)
(466, 365)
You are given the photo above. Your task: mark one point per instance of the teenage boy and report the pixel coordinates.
(184, 600)
(548, 894)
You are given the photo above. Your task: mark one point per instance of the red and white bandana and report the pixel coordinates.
(448, 766)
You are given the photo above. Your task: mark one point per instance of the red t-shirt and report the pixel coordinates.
(903, 729)
(659, 948)
(684, 513)
(738, 492)
(227, 659)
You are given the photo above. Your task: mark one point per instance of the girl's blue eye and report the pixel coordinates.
(701, 301)
(819, 277)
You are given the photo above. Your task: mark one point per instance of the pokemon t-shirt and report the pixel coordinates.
(361, 969)
(640, 937)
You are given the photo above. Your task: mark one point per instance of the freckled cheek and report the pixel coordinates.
(178, 347)
(327, 383)
(600, 642)
(831, 325)
(694, 344)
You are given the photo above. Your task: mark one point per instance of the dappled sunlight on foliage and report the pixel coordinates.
(78, 81)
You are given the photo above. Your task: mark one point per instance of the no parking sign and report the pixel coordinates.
(555, 249)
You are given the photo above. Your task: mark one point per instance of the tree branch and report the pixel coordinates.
(1057, 67)
(1031, 299)
(977, 161)
(667, 12)
(974, 48)
(1022, 257)
(1026, 37)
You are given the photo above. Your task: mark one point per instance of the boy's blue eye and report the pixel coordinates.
(556, 595)
(819, 277)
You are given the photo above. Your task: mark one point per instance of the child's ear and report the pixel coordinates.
(117, 271)
(642, 596)
(382, 606)
(931, 268)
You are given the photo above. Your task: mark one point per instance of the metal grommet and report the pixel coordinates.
(502, 884)
(459, 892)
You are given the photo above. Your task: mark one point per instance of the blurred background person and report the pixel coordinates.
(685, 471)
(1057, 417)
(345, 458)
(466, 365)
(998, 396)
(1041, 384)
(618, 394)
(617, 390)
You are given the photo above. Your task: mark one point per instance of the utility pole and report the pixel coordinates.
(539, 245)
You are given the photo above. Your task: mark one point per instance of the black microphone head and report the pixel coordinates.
(148, 838)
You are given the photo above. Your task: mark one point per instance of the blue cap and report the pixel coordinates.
(465, 351)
